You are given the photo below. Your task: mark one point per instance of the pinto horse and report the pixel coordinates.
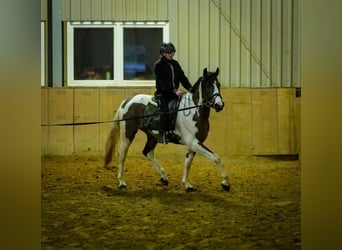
(191, 128)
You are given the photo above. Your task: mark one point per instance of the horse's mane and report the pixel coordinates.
(193, 89)
(208, 77)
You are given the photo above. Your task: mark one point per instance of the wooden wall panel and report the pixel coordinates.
(44, 105)
(60, 106)
(60, 111)
(86, 109)
(86, 140)
(110, 99)
(61, 140)
(254, 121)
(134, 91)
(286, 120)
(264, 121)
(44, 140)
(44, 120)
(239, 122)
(297, 122)
(86, 104)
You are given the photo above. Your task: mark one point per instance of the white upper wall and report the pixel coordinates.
(255, 43)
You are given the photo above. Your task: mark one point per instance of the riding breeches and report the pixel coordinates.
(165, 124)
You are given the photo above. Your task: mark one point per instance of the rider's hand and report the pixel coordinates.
(179, 92)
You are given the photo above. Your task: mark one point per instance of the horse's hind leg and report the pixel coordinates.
(123, 149)
(163, 176)
(149, 153)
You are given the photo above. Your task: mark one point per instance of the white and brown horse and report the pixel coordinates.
(191, 128)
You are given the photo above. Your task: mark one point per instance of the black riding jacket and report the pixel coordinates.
(168, 76)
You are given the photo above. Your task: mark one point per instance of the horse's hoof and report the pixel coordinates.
(122, 186)
(225, 187)
(191, 189)
(164, 182)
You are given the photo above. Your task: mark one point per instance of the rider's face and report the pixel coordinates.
(169, 56)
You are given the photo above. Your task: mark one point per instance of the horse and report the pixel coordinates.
(191, 129)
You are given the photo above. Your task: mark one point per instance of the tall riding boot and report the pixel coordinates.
(162, 129)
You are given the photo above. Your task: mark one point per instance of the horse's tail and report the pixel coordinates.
(112, 139)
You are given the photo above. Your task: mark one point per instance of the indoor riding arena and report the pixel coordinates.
(104, 53)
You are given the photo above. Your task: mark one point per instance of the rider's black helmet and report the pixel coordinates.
(167, 48)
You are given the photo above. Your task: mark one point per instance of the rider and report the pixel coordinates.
(169, 74)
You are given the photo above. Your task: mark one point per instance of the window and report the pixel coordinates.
(113, 54)
(138, 46)
(93, 53)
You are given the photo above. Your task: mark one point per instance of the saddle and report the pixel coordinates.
(151, 118)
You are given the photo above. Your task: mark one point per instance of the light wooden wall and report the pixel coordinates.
(255, 43)
(253, 122)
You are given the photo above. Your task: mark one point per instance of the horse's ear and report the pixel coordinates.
(217, 71)
(205, 72)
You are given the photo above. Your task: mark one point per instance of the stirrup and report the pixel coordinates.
(163, 138)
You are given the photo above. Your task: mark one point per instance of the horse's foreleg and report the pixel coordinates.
(199, 147)
(163, 176)
(225, 182)
(124, 145)
(188, 161)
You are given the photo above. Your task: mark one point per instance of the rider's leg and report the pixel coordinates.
(163, 126)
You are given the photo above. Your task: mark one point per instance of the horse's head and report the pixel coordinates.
(211, 95)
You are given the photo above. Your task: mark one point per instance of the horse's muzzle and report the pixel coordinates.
(218, 107)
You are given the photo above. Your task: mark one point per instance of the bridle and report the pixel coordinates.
(210, 101)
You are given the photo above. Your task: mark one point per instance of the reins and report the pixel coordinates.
(119, 120)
